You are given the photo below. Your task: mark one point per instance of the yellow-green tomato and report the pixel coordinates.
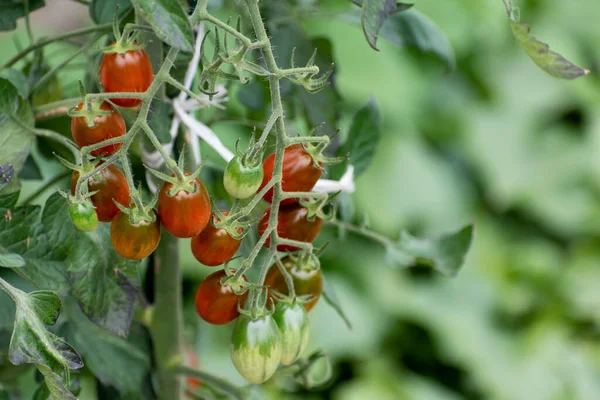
(84, 216)
(256, 347)
(292, 322)
(242, 181)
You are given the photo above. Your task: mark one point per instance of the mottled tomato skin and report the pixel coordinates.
(299, 172)
(213, 246)
(306, 281)
(242, 182)
(114, 186)
(217, 304)
(127, 72)
(256, 348)
(105, 127)
(292, 322)
(185, 214)
(83, 216)
(134, 241)
(292, 224)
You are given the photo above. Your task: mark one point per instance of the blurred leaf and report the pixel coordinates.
(103, 11)
(113, 360)
(331, 298)
(30, 169)
(7, 172)
(169, 21)
(54, 386)
(35, 70)
(446, 253)
(252, 95)
(413, 29)
(548, 60)
(374, 15)
(10, 260)
(363, 137)
(11, 10)
(159, 120)
(18, 79)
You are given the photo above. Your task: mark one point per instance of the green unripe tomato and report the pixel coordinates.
(242, 181)
(84, 216)
(292, 321)
(256, 348)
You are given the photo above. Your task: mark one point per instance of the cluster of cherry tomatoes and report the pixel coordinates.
(262, 339)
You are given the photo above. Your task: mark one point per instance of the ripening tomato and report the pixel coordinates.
(307, 281)
(105, 127)
(134, 241)
(185, 214)
(127, 72)
(242, 181)
(256, 347)
(292, 223)
(215, 303)
(112, 186)
(213, 246)
(299, 172)
(84, 216)
(292, 322)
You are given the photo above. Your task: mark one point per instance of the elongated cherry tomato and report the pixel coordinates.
(127, 72)
(185, 214)
(307, 281)
(292, 223)
(240, 181)
(256, 348)
(134, 241)
(84, 216)
(292, 322)
(299, 172)
(215, 303)
(105, 127)
(113, 186)
(213, 246)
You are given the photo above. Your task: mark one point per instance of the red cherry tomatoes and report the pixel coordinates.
(292, 223)
(299, 172)
(215, 303)
(184, 214)
(105, 127)
(112, 186)
(306, 281)
(127, 72)
(213, 246)
(134, 241)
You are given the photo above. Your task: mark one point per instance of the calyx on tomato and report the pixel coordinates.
(90, 111)
(244, 173)
(235, 228)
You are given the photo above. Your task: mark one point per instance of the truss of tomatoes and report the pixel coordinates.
(260, 342)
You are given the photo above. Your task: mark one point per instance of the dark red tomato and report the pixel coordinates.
(127, 72)
(185, 214)
(299, 172)
(105, 127)
(292, 223)
(112, 186)
(217, 304)
(134, 241)
(306, 281)
(213, 246)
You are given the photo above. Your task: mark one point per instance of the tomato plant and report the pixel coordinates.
(89, 131)
(214, 246)
(83, 216)
(292, 322)
(293, 222)
(307, 279)
(134, 240)
(242, 181)
(217, 303)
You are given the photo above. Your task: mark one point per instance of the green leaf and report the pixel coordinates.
(446, 253)
(374, 14)
(169, 21)
(7, 172)
(548, 60)
(363, 137)
(415, 30)
(10, 260)
(15, 118)
(30, 170)
(18, 80)
(54, 386)
(113, 360)
(331, 299)
(11, 10)
(103, 11)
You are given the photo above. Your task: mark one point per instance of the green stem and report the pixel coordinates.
(46, 186)
(381, 239)
(28, 21)
(57, 137)
(213, 381)
(41, 43)
(227, 28)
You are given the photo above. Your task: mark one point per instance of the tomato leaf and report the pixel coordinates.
(331, 299)
(541, 54)
(7, 172)
(30, 169)
(159, 120)
(413, 29)
(10, 260)
(363, 137)
(169, 21)
(103, 11)
(11, 11)
(445, 253)
(113, 360)
(54, 386)
(374, 14)
(18, 80)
